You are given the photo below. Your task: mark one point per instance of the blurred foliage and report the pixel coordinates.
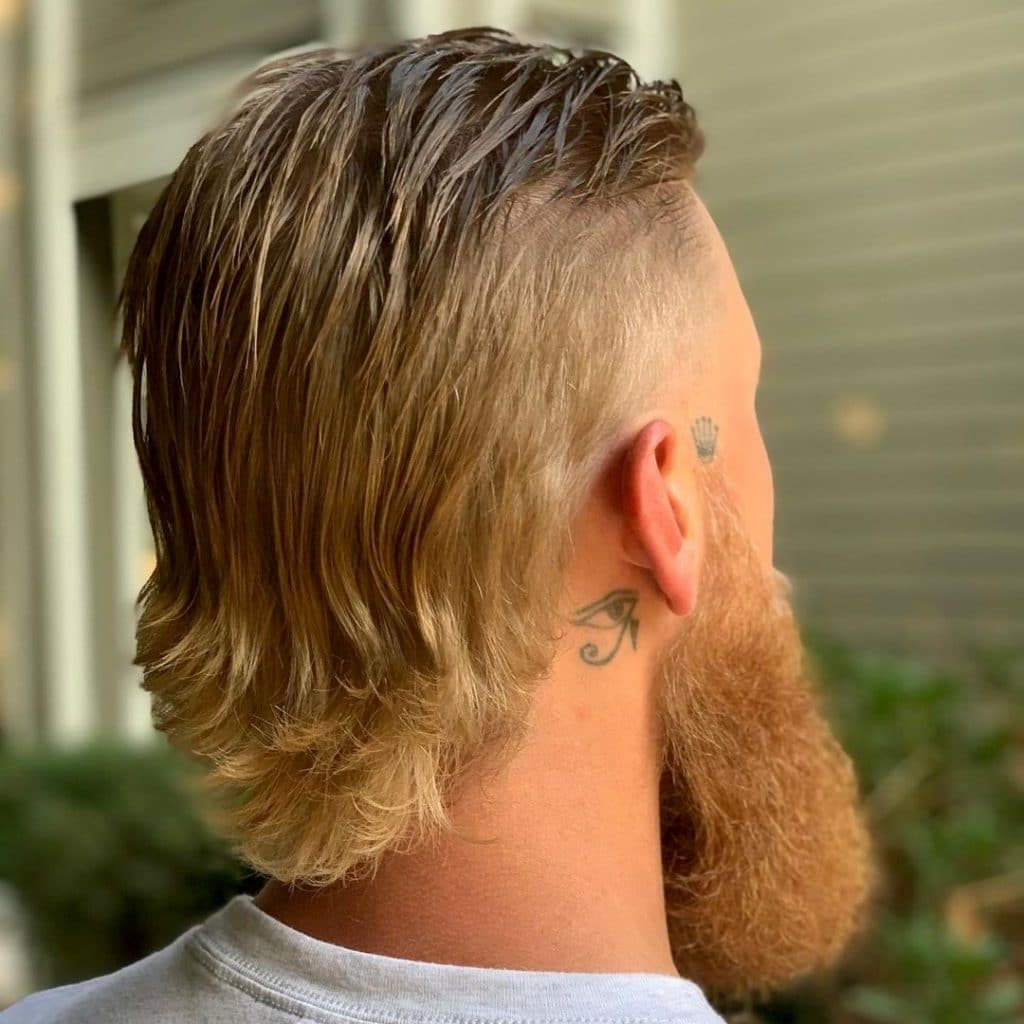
(940, 758)
(107, 854)
(111, 860)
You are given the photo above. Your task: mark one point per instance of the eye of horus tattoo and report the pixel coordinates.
(612, 612)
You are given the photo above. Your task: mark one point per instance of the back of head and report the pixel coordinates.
(384, 322)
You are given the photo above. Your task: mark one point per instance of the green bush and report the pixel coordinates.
(940, 757)
(107, 855)
(111, 860)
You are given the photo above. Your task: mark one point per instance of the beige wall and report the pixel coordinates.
(866, 166)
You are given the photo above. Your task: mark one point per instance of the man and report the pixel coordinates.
(444, 400)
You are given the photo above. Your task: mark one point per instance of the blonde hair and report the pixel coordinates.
(384, 322)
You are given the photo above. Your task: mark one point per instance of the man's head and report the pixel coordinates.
(766, 857)
(393, 325)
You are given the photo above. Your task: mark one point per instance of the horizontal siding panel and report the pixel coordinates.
(124, 39)
(897, 87)
(917, 260)
(948, 46)
(849, 343)
(859, 552)
(997, 165)
(997, 383)
(900, 430)
(984, 457)
(957, 124)
(911, 634)
(995, 628)
(720, 33)
(897, 305)
(967, 420)
(956, 620)
(929, 589)
(881, 373)
(951, 603)
(859, 515)
(877, 472)
(932, 218)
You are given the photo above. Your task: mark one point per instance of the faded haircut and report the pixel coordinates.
(385, 322)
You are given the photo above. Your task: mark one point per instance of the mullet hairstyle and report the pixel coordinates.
(385, 322)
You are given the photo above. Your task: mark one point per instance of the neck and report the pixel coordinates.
(562, 868)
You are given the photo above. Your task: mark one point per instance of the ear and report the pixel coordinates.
(661, 530)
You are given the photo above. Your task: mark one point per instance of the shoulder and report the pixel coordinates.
(169, 985)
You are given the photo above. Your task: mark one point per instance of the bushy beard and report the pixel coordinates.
(766, 855)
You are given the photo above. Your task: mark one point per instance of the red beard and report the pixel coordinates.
(766, 855)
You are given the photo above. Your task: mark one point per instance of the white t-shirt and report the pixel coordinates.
(242, 965)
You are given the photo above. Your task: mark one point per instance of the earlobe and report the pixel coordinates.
(680, 584)
(657, 531)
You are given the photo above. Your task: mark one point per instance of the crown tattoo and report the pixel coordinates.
(705, 437)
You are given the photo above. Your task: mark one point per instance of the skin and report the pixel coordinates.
(512, 890)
